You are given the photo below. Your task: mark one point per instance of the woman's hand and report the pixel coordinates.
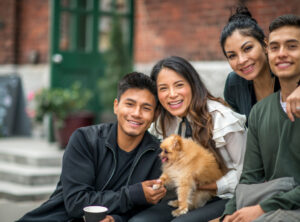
(293, 104)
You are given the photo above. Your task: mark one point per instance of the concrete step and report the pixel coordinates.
(28, 151)
(29, 168)
(16, 192)
(29, 175)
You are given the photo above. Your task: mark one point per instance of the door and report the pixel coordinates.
(79, 39)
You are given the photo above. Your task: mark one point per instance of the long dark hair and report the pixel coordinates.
(198, 111)
(242, 21)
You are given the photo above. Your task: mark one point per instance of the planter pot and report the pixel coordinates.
(71, 123)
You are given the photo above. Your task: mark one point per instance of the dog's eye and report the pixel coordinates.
(166, 152)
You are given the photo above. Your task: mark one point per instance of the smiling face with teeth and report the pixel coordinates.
(284, 52)
(174, 92)
(246, 56)
(135, 112)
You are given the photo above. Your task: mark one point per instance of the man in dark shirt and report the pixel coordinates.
(114, 164)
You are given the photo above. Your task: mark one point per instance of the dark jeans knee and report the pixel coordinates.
(140, 218)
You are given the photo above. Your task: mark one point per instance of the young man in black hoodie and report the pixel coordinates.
(112, 164)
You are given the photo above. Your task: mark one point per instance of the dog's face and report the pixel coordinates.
(171, 147)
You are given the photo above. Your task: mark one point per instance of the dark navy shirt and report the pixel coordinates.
(239, 93)
(124, 163)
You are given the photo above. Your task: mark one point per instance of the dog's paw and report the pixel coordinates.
(163, 178)
(155, 186)
(179, 211)
(173, 203)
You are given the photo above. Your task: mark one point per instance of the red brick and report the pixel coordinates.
(192, 28)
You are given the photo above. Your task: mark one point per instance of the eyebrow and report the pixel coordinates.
(243, 45)
(162, 84)
(287, 41)
(132, 100)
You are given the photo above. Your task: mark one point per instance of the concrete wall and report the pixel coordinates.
(34, 77)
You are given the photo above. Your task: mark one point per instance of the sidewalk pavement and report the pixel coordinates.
(12, 210)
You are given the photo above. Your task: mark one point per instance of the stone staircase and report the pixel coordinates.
(29, 168)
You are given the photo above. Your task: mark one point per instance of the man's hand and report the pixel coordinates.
(108, 218)
(245, 214)
(293, 104)
(153, 195)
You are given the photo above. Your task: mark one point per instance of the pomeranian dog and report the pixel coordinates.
(185, 166)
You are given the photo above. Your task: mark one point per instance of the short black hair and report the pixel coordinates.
(139, 81)
(242, 21)
(285, 20)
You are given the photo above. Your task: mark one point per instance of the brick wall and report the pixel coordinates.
(33, 30)
(191, 28)
(24, 28)
(188, 28)
(7, 31)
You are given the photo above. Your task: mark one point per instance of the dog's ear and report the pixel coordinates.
(177, 142)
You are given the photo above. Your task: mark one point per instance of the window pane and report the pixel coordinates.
(75, 32)
(105, 5)
(64, 29)
(84, 4)
(104, 30)
(65, 3)
(122, 6)
(107, 26)
(70, 4)
(81, 30)
(125, 30)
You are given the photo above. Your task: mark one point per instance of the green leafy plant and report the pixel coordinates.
(118, 63)
(60, 102)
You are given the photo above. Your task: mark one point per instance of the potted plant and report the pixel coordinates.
(67, 108)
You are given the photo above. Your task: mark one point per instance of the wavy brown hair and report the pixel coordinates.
(202, 125)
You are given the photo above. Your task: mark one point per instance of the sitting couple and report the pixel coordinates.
(116, 164)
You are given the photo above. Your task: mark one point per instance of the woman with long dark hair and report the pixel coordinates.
(187, 108)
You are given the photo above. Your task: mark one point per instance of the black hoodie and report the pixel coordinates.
(89, 163)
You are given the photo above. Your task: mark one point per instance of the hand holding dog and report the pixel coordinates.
(153, 196)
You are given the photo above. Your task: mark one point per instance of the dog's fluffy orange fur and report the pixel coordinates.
(187, 165)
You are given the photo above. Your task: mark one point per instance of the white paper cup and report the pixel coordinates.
(94, 213)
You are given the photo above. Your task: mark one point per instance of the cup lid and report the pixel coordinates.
(95, 209)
